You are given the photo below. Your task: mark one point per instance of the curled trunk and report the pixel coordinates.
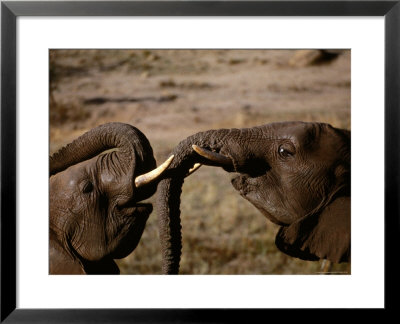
(134, 152)
(170, 188)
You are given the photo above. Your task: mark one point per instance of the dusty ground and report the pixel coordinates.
(171, 94)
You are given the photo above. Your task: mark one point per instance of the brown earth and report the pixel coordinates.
(171, 94)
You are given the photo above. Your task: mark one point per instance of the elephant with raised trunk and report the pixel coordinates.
(96, 185)
(296, 174)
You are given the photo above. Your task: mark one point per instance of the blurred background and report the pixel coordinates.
(171, 94)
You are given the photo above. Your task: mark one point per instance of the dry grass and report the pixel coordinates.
(222, 232)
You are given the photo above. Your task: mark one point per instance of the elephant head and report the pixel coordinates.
(96, 184)
(296, 174)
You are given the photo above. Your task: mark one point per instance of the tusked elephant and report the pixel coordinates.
(96, 184)
(296, 174)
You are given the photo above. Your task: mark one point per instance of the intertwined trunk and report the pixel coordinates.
(170, 188)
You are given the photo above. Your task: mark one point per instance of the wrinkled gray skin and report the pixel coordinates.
(95, 216)
(296, 174)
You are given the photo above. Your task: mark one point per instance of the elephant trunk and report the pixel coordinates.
(133, 149)
(170, 188)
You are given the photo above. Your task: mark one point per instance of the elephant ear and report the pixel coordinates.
(320, 236)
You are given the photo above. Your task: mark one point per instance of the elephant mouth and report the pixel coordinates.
(240, 184)
(132, 221)
(136, 210)
(250, 193)
(142, 209)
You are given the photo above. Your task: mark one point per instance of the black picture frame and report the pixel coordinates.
(390, 10)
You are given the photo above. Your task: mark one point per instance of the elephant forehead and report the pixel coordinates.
(107, 177)
(72, 182)
(300, 132)
(313, 137)
(114, 185)
(72, 178)
(68, 178)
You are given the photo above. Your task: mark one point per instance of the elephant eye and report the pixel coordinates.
(88, 187)
(285, 152)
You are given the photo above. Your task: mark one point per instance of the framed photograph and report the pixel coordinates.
(75, 71)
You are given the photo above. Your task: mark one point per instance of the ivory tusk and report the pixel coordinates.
(153, 174)
(212, 156)
(194, 169)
